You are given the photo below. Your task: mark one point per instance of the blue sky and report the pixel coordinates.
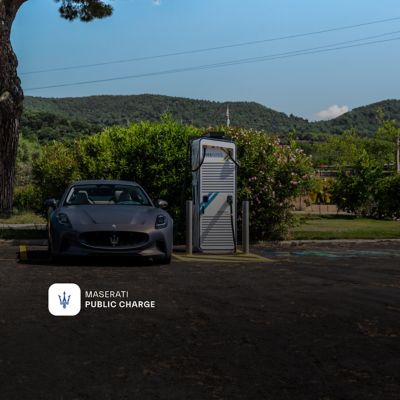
(327, 83)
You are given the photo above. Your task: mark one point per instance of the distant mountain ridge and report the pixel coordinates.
(56, 118)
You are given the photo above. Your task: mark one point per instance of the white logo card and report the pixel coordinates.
(64, 299)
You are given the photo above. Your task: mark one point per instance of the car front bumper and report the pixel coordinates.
(100, 240)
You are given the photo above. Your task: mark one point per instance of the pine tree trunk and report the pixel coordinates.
(11, 102)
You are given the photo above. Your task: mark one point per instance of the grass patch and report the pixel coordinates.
(26, 217)
(344, 227)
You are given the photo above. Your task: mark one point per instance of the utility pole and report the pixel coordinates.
(228, 120)
(398, 152)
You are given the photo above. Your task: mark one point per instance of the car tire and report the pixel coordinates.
(49, 249)
(54, 259)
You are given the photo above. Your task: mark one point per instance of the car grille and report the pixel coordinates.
(112, 239)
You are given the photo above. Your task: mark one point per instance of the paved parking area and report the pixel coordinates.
(319, 322)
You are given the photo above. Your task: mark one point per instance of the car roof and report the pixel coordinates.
(103, 182)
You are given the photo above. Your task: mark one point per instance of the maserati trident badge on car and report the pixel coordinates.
(114, 239)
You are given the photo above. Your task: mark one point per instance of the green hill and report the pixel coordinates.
(363, 119)
(62, 118)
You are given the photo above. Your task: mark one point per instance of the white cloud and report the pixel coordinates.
(156, 2)
(332, 112)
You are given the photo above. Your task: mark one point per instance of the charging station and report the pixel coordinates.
(214, 193)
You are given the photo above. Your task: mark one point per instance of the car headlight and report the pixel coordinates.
(161, 222)
(63, 219)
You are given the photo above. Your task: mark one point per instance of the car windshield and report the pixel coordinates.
(106, 194)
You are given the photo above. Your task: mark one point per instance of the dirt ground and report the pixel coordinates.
(316, 323)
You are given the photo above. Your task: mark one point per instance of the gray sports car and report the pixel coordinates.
(109, 217)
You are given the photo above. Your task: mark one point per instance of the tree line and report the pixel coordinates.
(272, 172)
(63, 118)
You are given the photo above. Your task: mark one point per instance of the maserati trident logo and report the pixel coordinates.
(114, 239)
(64, 301)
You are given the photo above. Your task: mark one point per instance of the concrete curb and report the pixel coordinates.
(327, 241)
(27, 242)
(283, 243)
(23, 227)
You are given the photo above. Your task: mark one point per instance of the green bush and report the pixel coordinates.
(321, 191)
(388, 197)
(156, 155)
(152, 154)
(27, 197)
(353, 190)
(54, 169)
(28, 151)
(367, 191)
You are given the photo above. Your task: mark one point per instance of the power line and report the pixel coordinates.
(207, 49)
(313, 50)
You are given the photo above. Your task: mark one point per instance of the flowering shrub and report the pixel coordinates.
(271, 176)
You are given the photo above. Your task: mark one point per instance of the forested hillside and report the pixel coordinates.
(63, 118)
(363, 119)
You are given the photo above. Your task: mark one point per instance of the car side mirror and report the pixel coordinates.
(51, 203)
(162, 203)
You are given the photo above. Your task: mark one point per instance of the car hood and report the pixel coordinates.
(112, 214)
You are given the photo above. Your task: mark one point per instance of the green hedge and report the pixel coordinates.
(156, 155)
(387, 197)
(367, 190)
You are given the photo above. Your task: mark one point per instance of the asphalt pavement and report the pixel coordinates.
(308, 322)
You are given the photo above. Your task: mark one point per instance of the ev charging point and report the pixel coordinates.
(214, 193)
